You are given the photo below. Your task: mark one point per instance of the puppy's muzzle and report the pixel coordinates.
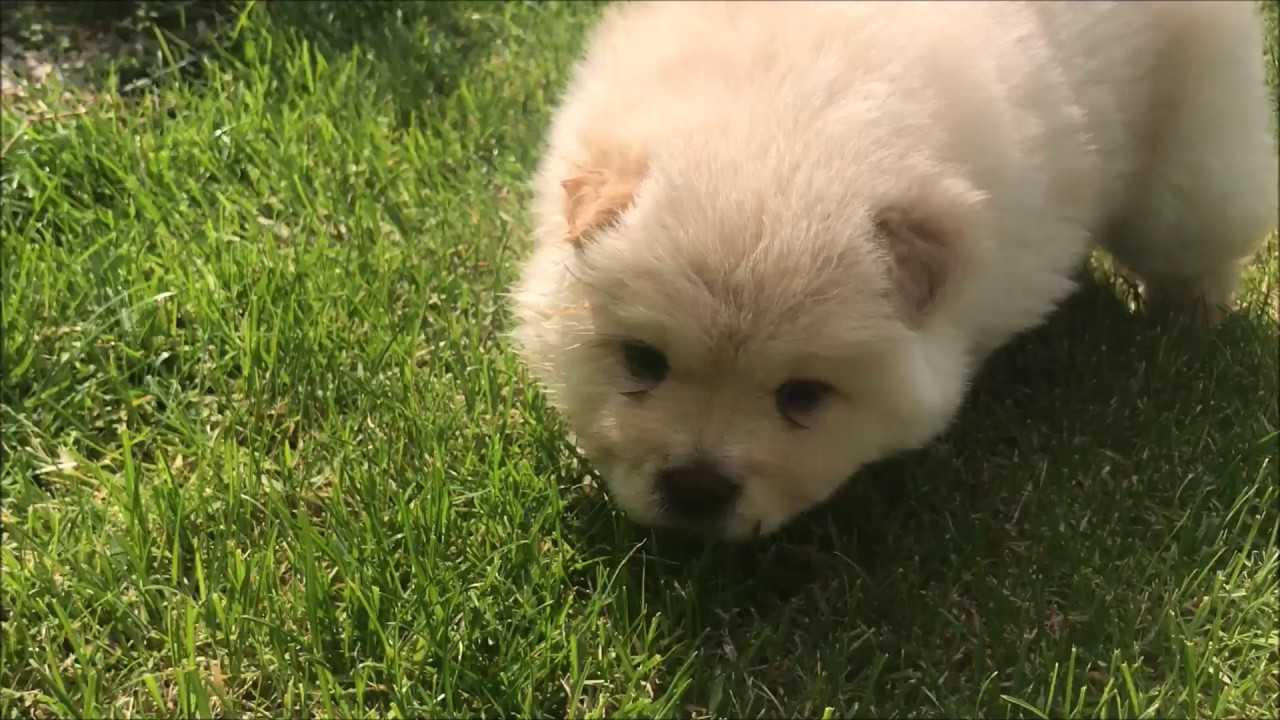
(698, 491)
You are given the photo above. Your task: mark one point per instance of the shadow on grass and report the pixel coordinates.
(35, 24)
(1059, 484)
(120, 33)
(426, 47)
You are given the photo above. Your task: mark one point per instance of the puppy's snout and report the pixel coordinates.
(697, 491)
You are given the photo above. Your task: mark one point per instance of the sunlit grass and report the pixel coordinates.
(266, 451)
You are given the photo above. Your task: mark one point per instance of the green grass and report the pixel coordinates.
(267, 452)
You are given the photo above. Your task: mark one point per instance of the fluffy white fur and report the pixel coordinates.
(873, 195)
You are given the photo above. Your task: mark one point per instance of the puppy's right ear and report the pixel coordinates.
(597, 197)
(926, 238)
(921, 258)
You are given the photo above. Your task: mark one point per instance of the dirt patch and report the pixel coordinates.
(73, 46)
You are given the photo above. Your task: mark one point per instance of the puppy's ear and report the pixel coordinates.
(925, 243)
(596, 197)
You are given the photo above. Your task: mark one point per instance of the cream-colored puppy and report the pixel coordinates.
(774, 241)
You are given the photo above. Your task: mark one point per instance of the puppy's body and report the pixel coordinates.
(868, 198)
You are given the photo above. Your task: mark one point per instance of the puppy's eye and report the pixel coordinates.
(647, 364)
(796, 398)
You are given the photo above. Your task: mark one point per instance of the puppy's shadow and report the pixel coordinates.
(1059, 427)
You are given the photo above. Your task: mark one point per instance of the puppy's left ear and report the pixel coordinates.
(597, 197)
(925, 240)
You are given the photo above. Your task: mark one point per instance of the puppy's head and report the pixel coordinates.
(731, 341)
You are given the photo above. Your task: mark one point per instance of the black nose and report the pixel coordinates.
(697, 491)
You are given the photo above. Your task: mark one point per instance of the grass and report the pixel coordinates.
(266, 451)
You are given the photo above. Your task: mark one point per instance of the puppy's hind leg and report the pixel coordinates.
(1209, 193)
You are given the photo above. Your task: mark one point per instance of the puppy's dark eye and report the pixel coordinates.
(647, 364)
(797, 398)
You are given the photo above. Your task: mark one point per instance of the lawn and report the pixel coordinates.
(267, 450)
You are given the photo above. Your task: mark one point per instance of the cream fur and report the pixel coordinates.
(715, 175)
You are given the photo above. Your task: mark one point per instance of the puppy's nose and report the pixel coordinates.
(697, 491)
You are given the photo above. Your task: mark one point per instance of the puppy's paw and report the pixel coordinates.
(1204, 301)
(1208, 313)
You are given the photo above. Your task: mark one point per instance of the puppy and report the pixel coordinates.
(775, 241)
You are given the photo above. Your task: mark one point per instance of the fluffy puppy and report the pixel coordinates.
(774, 241)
